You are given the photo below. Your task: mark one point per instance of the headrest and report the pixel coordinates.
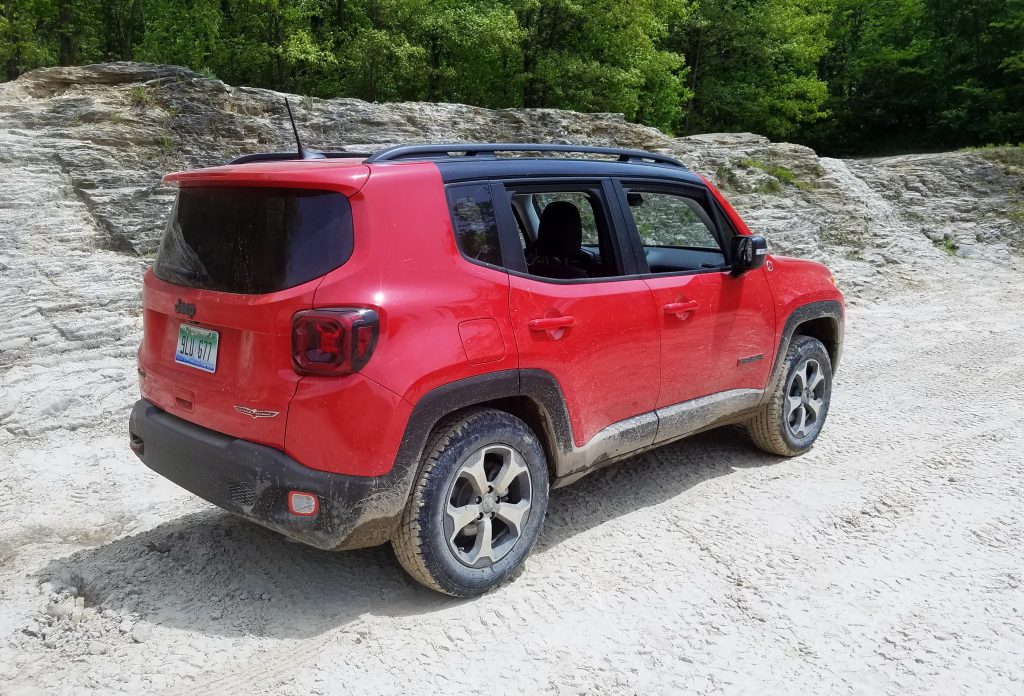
(560, 233)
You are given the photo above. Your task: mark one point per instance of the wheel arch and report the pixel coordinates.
(827, 329)
(534, 396)
(823, 320)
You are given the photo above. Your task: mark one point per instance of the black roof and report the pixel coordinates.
(466, 161)
(445, 150)
(463, 169)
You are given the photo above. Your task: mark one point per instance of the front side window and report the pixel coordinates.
(675, 230)
(664, 219)
(476, 230)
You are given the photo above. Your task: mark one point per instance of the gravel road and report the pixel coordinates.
(887, 560)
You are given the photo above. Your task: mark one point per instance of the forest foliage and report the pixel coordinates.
(845, 76)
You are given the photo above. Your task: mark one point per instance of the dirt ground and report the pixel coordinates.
(890, 559)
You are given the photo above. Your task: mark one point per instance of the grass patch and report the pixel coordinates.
(781, 176)
(165, 143)
(784, 175)
(141, 97)
(947, 245)
(1009, 157)
(726, 179)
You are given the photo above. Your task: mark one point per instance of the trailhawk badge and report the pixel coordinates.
(255, 412)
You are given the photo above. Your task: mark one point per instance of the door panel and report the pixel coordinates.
(716, 330)
(599, 340)
(714, 346)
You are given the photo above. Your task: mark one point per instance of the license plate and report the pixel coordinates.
(197, 348)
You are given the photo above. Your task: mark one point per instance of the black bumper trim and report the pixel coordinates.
(253, 481)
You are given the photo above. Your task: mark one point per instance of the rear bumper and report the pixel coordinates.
(253, 481)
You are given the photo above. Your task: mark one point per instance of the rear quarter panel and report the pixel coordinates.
(407, 267)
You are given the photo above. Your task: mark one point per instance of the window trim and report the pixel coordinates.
(694, 191)
(601, 187)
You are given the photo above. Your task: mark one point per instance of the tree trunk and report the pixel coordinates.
(693, 84)
(434, 82)
(65, 33)
(12, 68)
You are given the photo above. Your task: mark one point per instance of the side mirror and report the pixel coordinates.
(748, 253)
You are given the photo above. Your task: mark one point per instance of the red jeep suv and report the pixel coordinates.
(414, 346)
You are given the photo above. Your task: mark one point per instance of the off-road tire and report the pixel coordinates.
(420, 543)
(769, 429)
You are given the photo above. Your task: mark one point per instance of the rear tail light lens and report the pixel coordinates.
(333, 341)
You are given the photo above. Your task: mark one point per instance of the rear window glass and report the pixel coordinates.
(253, 240)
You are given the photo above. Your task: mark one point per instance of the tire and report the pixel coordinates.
(777, 428)
(444, 548)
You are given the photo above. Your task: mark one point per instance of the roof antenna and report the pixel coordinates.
(303, 152)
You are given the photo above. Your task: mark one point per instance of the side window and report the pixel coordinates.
(676, 232)
(476, 230)
(582, 203)
(566, 232)
(665, 219)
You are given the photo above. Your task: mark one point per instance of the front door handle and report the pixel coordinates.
(681, 309)
(550, 323)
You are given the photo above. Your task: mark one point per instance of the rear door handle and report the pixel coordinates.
(549, 323)
(680, 308)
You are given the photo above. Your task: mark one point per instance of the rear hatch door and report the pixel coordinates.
(234, 266)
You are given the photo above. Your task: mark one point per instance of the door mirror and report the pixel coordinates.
(748, 253)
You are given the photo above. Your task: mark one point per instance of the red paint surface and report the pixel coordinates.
(612, 346)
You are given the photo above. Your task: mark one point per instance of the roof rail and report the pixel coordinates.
(409, 152)
(281, 156)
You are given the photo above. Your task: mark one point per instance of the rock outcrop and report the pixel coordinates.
(83, 150)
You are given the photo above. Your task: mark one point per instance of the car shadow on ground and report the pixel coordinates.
(217, 574)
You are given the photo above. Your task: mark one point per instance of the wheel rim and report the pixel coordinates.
(488, 505)
(805, 399)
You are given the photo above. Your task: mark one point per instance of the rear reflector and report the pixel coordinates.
(303, 504)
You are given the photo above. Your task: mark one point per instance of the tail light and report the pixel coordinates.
(333, 341)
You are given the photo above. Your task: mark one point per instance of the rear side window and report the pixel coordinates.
(476, 229)
(253, 240)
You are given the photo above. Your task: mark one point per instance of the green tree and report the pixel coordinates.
(606, 55)
(906, 74)
(754, 65)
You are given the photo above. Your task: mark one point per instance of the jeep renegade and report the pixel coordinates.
(415, 346)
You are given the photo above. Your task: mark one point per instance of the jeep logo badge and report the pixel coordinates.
(185, 308)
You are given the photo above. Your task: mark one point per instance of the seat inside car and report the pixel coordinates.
(559, 241)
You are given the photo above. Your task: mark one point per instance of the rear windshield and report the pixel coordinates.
(253, 240)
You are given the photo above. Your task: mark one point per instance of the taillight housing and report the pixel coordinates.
(333, 341)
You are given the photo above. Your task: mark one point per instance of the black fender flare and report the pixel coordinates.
(539, 386)
(823, 309)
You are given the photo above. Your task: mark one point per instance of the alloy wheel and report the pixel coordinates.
(488, 505)
(805, 399)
